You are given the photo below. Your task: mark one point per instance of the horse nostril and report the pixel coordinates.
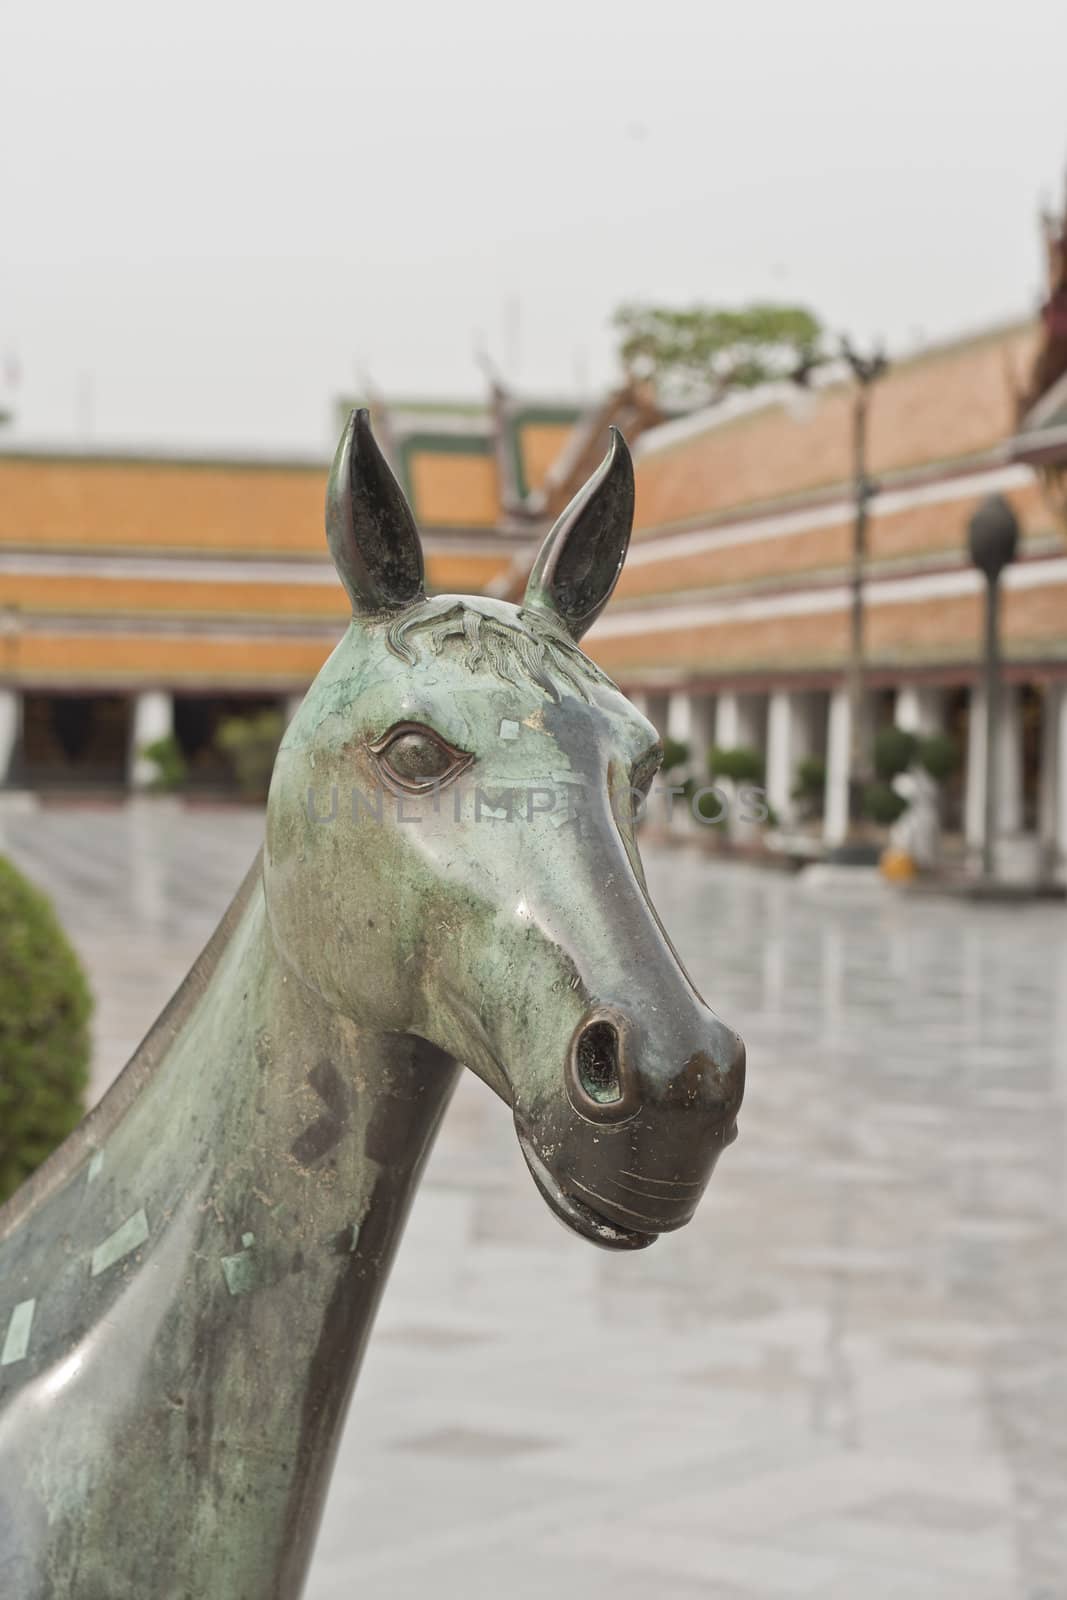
(597, 1056)
(601, 1080)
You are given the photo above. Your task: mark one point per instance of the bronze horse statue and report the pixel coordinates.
(188, 1284)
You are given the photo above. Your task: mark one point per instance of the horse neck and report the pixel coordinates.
(269, 1149)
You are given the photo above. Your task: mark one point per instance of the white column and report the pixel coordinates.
(10, 719)
(728, 721)
(680, 716)
(789, 740)
(1009, 768)
(906, 709)
(838, 740)
(919, 710)
(690, 718)
(728, 737)
(680, 728)
(153, 718)
(780, 754)
(689, 721)
(974, 780)
(1010, 762)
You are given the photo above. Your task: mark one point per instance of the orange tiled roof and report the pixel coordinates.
(946, 404)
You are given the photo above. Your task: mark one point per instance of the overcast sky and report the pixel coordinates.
(213, 216)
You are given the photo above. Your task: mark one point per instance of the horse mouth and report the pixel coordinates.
(575, 1214)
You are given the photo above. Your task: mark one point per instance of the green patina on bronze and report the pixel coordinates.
(187, 1286)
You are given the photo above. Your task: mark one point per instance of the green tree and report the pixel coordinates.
(809, 790)
(697, 355)
(939, 755)
(171, 766)
(741, 764)
(883, 804)
(894, 751)
(675, 754)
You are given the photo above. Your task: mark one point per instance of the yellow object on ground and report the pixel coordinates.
(897, 866)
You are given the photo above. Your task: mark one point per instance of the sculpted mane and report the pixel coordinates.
(529, 648)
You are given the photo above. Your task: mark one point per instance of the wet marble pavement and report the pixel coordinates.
(847, 1378)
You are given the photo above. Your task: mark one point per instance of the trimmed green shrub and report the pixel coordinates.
(250, 745)
(743, 764)
(939, 755)
(675, 754)
(810, 786)
(45, 1006)
(894, 752)
(710, 807)
(883, 805)
(171, 768)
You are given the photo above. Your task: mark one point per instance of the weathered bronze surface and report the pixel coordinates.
(450, 876)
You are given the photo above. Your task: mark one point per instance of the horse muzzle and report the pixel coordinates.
(626, 1154)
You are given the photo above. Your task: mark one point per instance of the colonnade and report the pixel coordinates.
(786, 725)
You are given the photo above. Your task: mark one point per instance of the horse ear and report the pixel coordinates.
(582, 557)
(369, 526)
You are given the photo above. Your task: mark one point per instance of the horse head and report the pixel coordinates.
(451, 853)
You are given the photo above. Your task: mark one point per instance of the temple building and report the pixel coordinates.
(142, 596)
(731, 623)
(732, 618)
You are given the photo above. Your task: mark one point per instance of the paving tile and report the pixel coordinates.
(987, 1556)
(703, 1555)
(905, 1510)
(428, 1337)
(504, 1573)
(472, 1444)
(846, 1378)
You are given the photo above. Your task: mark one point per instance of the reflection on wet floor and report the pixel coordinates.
(848, 1377)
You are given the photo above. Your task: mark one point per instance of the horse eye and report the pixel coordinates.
(416, 758)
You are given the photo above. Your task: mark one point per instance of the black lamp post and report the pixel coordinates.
(866, 371)
(993, 538)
